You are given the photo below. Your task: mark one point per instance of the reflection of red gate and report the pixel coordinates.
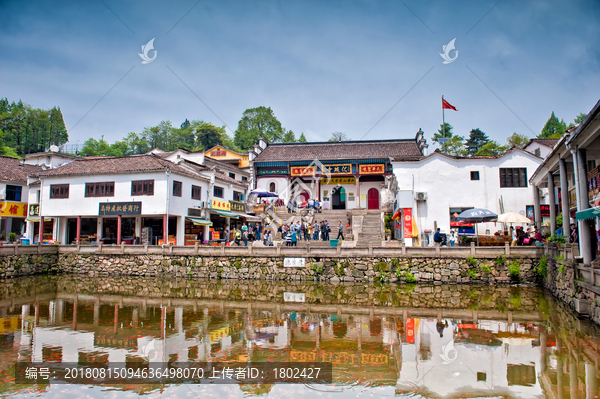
(373, 199)
(304, 195)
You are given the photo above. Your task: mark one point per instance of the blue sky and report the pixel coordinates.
(321, 66)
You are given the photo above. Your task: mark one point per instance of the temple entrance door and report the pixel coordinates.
(373, 199)
(338, 199)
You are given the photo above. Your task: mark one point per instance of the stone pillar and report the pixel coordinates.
(583, 202)
(564, 192)
(59, 311)
(357, 190)
(77, 238)
(181, 230)
(179, 320)
(165, 230)
(536, 206)
(138, 227)
(119, 222)
(51, 312)
(552, 200)
(97, 312)
(100, 231)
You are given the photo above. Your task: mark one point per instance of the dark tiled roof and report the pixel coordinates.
(12, 170)
(221, 176)
(547, 142)
(398, 149)
(117, 165)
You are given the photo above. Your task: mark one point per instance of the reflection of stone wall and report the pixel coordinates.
(424, 270)
(427, 296)
(26, 265)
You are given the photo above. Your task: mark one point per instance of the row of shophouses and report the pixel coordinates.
(185, 198)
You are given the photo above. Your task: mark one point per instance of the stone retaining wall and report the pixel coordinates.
(26, 265)
(413, 269)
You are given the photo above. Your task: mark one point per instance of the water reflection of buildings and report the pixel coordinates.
(405, 349)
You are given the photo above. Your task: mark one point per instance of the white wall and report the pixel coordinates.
(281, 185)
(544, 150)
(448, 184)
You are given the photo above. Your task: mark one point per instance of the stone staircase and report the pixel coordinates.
(371, 227)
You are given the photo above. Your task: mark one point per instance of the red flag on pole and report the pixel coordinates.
(447, 105)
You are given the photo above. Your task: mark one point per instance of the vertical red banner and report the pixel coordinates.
(407, 222)
(410, 331)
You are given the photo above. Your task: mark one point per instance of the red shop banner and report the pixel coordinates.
(407, 222)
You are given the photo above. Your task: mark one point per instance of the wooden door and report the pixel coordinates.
(373, 199)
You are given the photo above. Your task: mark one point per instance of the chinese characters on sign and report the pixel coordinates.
(120, 208)
(371, 169)
(220, 205)
(34, 210)
(302, 171)
(339, 180)
(16, 209)
(341, 169)
(218, 153)
(407, 222)
(293, 262)
(294, 297)
(195, 212)
(236, 206)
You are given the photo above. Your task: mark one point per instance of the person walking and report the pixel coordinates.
(289, 206)
(327, 230)
(340, 231)
(238, 236)
(322, 230)
(269, 239)
(294, 238)
(316, 231)
(258, 231)
(245, 237)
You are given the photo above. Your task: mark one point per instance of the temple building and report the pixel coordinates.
(341, 175)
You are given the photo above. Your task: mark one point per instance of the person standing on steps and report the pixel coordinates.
(340, 231)
(327, 230)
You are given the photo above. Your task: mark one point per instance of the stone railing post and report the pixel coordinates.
(473, 248)
(99, 246)
(507, 248)
(438, 249)
(339, 248)
(370, 248)
(196, 248)
(403, 247)
(250, 249)
(123, 247)
(171, 248)
(278, 250)
(223, 249)
(307, 248)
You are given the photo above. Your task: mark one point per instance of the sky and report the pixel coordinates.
(369, 68)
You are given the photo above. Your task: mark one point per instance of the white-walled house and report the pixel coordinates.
(112, 199)
(433, 189)
(540, 147)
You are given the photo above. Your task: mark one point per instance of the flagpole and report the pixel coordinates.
(443, 123)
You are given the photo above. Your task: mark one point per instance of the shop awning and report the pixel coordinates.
(588, 213)
(36, 219)
(227, 214)
(199, 222)
(250, 218)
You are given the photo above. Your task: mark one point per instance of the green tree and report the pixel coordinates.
(289, 137)
(6, 151)
(517, 140)
(338, 136)
(93, 147)
(185, 124)
(579, 118)
(208, 135)
(553, 129)
(255, 123)
(477, 139)
(491, 148)
(302, 139)
(456, 146)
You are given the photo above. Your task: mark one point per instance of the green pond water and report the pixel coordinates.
(406, 341)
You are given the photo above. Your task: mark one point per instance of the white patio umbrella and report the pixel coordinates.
(512, 217)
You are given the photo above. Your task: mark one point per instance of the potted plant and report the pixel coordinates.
(12, 237)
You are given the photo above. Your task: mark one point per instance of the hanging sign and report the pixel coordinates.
(302, 171)
(407, 222)
(338, 169)
(220, 205)
(34, 210)
(339, 180)
(371, 169)
(236, 206)
(18, 209)
(119, 208)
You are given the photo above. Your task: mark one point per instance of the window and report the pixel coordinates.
(272, 187)
(218, 192)
(196, 192)
(474, 175)
(13, 193)
(104, 189)
(244, 178)
(142, 187)
(537, 151)
(237, 196)
(232, 175)
(513, 177)
(177, 189)
(59, 191)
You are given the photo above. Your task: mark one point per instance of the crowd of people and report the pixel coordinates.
(317, 231)
(293, 205)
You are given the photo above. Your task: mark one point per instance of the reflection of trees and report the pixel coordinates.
(255, 389)
(340, 328)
